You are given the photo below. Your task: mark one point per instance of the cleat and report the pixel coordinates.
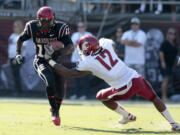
(175, 126)
(125, 120)
(55, 117)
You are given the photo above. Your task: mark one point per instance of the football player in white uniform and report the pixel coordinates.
(99, 59)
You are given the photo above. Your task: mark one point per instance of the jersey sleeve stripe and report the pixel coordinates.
(64, 30)
(61, 29)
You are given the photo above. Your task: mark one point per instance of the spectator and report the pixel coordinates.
(143, 7)
(134, 41)
(82, 93)
(168, 53)
(33, 4)
(119, 48)
(123, 7)
(18, 27)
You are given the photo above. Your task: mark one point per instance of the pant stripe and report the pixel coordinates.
(41, 75)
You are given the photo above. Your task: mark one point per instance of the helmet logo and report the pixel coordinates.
(84, 46)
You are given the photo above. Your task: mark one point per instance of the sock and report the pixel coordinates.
(168, 116)
(58, 102)
(52, 102)
(122, 111)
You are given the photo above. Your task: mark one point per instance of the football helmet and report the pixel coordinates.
(88, 45)
(45, 16)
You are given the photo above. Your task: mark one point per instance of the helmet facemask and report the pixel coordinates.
(46, 24)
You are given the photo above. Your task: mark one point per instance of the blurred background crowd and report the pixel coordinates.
(150, 25)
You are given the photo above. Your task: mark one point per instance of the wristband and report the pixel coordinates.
(52, 63)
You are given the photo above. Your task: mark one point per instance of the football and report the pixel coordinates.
(56, 45)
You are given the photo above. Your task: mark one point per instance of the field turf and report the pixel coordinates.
(32, 117)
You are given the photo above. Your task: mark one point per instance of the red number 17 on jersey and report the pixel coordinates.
(103, 56)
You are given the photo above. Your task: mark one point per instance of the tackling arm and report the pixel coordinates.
(70, 73)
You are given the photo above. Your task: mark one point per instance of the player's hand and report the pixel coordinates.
(49, 49)
(48, 52)
(19, 59)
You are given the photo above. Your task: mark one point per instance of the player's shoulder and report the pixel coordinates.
(59, 24)
(104, 42)
(62, 28)
(31, 22)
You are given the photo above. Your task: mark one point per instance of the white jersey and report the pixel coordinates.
(107, 66)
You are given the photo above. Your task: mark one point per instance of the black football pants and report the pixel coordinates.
(54, 83)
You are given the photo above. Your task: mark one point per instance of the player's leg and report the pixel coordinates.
(46, 75)
(60, 89)
(148, 93)
(110, 103)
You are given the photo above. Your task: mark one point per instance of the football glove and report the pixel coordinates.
(19, 59)
(48, 52)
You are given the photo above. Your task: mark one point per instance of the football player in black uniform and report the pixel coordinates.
(44, 30)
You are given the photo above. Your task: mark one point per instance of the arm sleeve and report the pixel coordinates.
(27, 33)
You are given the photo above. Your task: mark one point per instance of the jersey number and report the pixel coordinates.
(103, 56)
(40, 50)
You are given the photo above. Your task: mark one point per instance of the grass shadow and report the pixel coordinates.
(124, 131)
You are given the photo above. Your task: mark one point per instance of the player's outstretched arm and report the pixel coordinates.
(70, 73)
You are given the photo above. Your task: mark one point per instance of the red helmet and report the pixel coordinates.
(46, 17)
(88, 45)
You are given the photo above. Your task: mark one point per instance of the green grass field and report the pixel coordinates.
(32, 117)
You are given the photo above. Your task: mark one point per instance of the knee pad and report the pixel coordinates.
(49, 91)
(50, 80)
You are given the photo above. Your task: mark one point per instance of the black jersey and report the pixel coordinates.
(59, 31)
